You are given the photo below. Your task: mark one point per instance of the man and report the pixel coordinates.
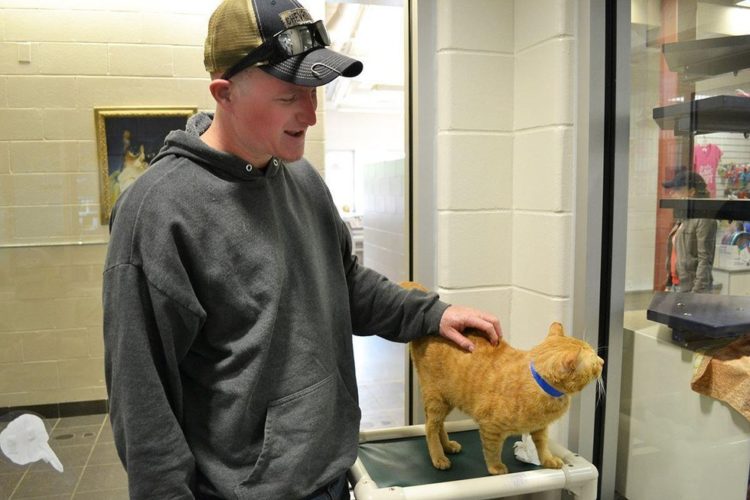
(691, 242)
(231, 292)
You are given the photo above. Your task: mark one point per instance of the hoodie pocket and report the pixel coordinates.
(309, 437)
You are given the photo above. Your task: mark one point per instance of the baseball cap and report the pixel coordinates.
(684, 177)
(239, 29)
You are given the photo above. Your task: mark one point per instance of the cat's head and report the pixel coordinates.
(567, 363)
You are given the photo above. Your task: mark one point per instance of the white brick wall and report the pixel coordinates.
(72, 59)
(140, 60)
(21, 124)
(542, 252)
(475, 171)
(68, 124)
(540, 20)
(9, 58)
(3, 92)
(40, 91)
(4, 158)
(474, 249)
(468, 85)
(474, 151)
(531, 315)
(504, 160)
(34, 157)
(188, 62)
(384, 210)
(542, 169)
(543, 88)
(479, 25)
(59, 61)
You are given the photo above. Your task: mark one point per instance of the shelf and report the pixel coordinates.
(721, 113)
(699, 59)
(707, 208)
(695, 316)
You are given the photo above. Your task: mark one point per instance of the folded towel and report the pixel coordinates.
(725, 375)
(525, 450)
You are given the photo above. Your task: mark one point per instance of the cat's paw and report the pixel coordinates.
(496, 470)
(453, 447)
(553, 463)
(442, 463)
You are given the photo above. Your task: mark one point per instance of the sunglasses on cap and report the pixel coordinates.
(290, 42)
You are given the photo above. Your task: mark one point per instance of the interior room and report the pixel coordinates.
(540, 160)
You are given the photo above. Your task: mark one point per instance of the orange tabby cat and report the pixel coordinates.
(497, 386)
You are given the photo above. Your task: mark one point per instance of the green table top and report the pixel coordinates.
(406, 462)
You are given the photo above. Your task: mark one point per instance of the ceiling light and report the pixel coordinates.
(743, 3)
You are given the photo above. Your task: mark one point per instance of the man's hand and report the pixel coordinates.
(457, 318)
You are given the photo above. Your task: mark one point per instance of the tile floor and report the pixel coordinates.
(93, 471)
(381, 375)
(85, 447)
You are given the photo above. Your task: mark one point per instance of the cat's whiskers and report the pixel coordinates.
(585, 335)
(601, 391)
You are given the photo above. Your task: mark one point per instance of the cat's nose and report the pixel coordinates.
(600, 360)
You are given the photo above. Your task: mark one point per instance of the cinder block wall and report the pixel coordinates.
(505, 160)
(475, 92)
(543, 166)
(58, 61)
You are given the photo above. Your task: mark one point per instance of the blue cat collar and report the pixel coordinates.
(544, 384)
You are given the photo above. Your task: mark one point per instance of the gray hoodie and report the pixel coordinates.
(230, 297)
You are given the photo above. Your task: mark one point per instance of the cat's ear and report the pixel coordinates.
(556, 330)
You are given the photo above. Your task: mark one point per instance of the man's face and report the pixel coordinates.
(269, 117)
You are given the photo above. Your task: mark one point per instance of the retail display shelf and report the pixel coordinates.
(707, 208)
(699, 59)
(723, 113)
(693, 316)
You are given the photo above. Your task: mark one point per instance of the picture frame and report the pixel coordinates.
(127, 139)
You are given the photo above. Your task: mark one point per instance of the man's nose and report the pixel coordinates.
(307, 112)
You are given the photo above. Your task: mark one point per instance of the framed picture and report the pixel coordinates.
(127, 139)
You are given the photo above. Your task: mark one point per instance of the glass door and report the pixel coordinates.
(365, 168)
(684, 423)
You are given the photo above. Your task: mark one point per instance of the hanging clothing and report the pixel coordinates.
(705, 162)
(694, 246)
(673, 259)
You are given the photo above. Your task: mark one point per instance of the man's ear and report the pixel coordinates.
(219, 89)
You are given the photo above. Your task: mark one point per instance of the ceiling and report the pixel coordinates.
(373, 32)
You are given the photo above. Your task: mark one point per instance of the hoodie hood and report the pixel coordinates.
(187, 143)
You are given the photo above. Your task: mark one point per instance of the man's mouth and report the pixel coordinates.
(295, 133)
